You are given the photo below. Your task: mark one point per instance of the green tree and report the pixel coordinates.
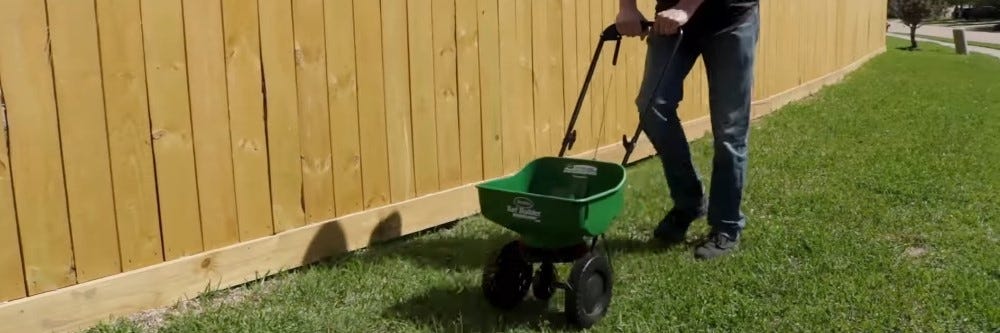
(914, 13)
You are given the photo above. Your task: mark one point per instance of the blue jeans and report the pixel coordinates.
(729, 58)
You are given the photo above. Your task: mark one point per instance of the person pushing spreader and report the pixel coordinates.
(560, 207)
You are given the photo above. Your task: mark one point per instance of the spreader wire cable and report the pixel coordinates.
(604, 115)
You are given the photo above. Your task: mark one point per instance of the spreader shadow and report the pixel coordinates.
(448, 247)
(464, 309)
(464, 253)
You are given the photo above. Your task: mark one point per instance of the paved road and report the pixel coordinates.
(942, 31)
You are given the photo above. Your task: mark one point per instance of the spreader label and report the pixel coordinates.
(524, 209)
(581, 169)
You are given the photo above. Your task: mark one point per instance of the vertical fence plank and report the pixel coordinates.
(246, 118)
(585, 43)
(36, 166)
(129, 138)
(840, 32)
(617, 82)
(469, 104)
(281, 91)
(861, 45)
(760, 66)
(778, 33)
(210, 122)
(371, 99)
(599, 92)
(805, 37)
(612, 75)
(344, 111)
(767, 46)
(541, 76)
(816, 41)
(557, 108)
(163, 30)
(830, 40)
(571, 81)
(780, 54)
(79, 96)
(314, 121)
(11, 271)
(508, 86)
(422, 93)
(524, 80)
(548, 66)
(399, 140)
(760, 61)
(446, 92)
(489, 65)
(798, 30)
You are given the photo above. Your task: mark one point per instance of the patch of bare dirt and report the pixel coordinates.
(916, 251)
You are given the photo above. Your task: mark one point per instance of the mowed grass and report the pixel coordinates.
(873, 206)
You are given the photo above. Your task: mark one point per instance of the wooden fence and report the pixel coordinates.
(142, 132)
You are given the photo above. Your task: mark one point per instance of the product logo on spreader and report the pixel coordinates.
(581, 169)
(524, 208)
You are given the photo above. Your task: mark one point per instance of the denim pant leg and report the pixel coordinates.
(729, 62)
(661, 123)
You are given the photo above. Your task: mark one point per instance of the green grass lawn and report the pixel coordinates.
(873, 206)
(971, 43)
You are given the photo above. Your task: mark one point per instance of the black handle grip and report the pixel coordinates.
(611, 32)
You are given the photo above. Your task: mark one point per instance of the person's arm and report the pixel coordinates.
(669, 21)
(629, 21)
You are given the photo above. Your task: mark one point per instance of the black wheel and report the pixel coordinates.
(544, 285)
(589, 294)
(506, 277)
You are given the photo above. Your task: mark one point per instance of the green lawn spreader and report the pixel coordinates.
(560, 207)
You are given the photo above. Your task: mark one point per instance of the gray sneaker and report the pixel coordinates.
(718, 244)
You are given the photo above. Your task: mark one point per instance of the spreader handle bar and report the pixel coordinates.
(609, 34)
(630, 144)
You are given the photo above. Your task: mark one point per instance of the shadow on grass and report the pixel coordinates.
(454, 309)
(465, 253)
(463, 308)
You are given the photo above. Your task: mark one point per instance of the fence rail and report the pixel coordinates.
(142, 131)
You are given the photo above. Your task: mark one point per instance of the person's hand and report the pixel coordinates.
(670, 20)
(629, 22)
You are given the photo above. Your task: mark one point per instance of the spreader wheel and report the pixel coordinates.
(588, 295)
(506, 277)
